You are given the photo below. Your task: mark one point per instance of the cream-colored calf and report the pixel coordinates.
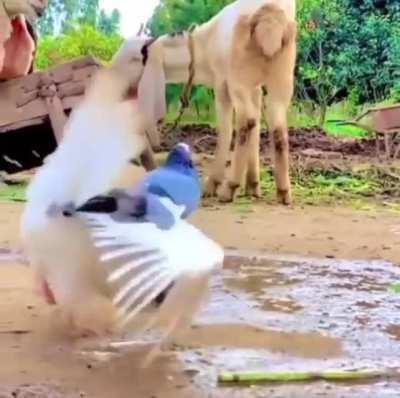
(250, 44)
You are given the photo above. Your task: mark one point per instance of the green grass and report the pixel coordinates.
(243, 205)
(12, 193)
(358, 189)
(322, 189)
(300, 115)
(190, 116)
(332, 128)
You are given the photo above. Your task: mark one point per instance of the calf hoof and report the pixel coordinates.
(228, 192)
(253, 189)
(210, 187)
(284, 196)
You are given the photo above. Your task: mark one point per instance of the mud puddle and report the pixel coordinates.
(265, 313)
(268, 313)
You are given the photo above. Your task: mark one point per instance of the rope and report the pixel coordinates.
(187, 89)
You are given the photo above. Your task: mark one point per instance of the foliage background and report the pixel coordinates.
(348, 50)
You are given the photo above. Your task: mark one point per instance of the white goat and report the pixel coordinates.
(248, 45)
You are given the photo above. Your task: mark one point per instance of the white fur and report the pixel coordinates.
(213, 43)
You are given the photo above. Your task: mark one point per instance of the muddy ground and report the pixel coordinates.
(305, 143)
(203, 139)
(298, 306)
(304, 288)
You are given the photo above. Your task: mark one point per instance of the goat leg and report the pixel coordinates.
(224, 110)
(252, 186)
(230, 188)
(280, 149)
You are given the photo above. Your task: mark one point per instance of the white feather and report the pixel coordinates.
(102, 134)
(182, 255)
(126, 268)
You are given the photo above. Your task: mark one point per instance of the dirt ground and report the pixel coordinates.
(309, 231)
(203, 140)
(273, 332)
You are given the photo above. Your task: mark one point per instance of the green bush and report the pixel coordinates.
(77, 42)
(346, 48)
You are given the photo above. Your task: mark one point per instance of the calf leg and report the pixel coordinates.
(246, 127)
(224, 110)
(278, 100)
(253, 187)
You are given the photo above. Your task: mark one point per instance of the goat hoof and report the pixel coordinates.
(211, 187)
(227, 192)
(284, 196)
(253, 189)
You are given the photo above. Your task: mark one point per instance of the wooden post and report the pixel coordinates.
(57, 116)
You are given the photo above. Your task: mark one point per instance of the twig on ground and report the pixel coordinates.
(291, 376)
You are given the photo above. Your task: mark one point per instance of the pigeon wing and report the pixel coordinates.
(147, 261)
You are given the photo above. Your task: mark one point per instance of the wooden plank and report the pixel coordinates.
(22, 124)
(71, 88)
(71, 102)
(32, 109)
(389, 131)
(61, 75)
(64, 72)
(48, 91)
(380, 108)
(85, 61)
(84, 73)
(387, 119)
(9, 113)
(12, 82)
(26, 97)
(45, 79)
(57, 116)
(31, 82)
(21, 99)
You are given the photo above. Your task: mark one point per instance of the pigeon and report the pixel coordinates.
(162, 257)
(145, 256)
(177, 180)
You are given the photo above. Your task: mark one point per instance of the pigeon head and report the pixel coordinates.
(180, 157)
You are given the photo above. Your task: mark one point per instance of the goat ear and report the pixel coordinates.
(151, 97)
(272, 30)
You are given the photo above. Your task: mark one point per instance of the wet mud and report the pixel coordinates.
(264, 313)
